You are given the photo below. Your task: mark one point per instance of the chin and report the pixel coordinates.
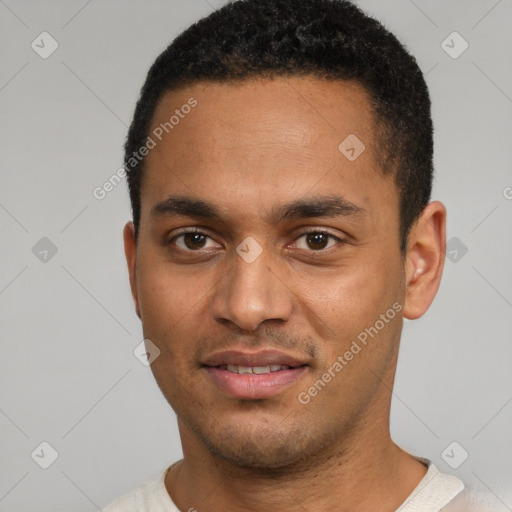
(249, 455)
(264, 447)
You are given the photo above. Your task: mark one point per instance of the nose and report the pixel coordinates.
(252, 293)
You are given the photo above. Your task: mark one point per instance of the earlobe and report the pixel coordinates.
(424, 260)
(130, 251)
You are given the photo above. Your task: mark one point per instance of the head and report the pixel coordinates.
(282, 202)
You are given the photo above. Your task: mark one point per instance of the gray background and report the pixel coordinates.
(67, 372)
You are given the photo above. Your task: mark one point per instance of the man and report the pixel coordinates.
(280, 170)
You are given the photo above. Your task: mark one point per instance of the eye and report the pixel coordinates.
(193, 241)
(316, 241)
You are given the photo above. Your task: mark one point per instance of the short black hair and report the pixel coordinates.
(325, 39)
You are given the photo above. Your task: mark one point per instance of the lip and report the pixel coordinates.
(259, 358)
(253, 386)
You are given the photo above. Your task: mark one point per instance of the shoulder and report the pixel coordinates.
(448, 493)
(151, 495)
(473, 500)
(125, 503)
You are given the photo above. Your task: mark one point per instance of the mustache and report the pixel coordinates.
(264, 338)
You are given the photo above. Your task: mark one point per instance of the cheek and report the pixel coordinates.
(166, 298)
(169, 304)
(348, 303)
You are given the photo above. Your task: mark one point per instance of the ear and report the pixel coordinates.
(425, 257)
(130, 251)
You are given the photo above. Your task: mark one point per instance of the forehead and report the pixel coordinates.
(293, 112)
(263, 139)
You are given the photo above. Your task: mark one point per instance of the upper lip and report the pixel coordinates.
(260, 358)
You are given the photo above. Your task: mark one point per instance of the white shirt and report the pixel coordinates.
(436, 492)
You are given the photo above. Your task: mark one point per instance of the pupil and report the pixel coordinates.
(193, 240)
(317, 240)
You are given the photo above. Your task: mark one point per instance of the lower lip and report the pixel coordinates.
(253, 386)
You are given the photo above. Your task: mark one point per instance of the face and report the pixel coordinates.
(265, 256)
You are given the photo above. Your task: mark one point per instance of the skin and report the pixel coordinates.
(248, 149)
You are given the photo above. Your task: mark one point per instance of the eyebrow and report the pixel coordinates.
(319, 206)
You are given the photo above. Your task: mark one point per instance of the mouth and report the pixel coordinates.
(256, 370)
(252, 376)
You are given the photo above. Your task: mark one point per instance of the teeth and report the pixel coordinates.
(261, 369)
(258, 370)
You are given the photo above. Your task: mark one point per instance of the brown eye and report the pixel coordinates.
(316, 241)
(193, 241)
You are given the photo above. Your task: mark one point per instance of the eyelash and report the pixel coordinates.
(312, 231)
